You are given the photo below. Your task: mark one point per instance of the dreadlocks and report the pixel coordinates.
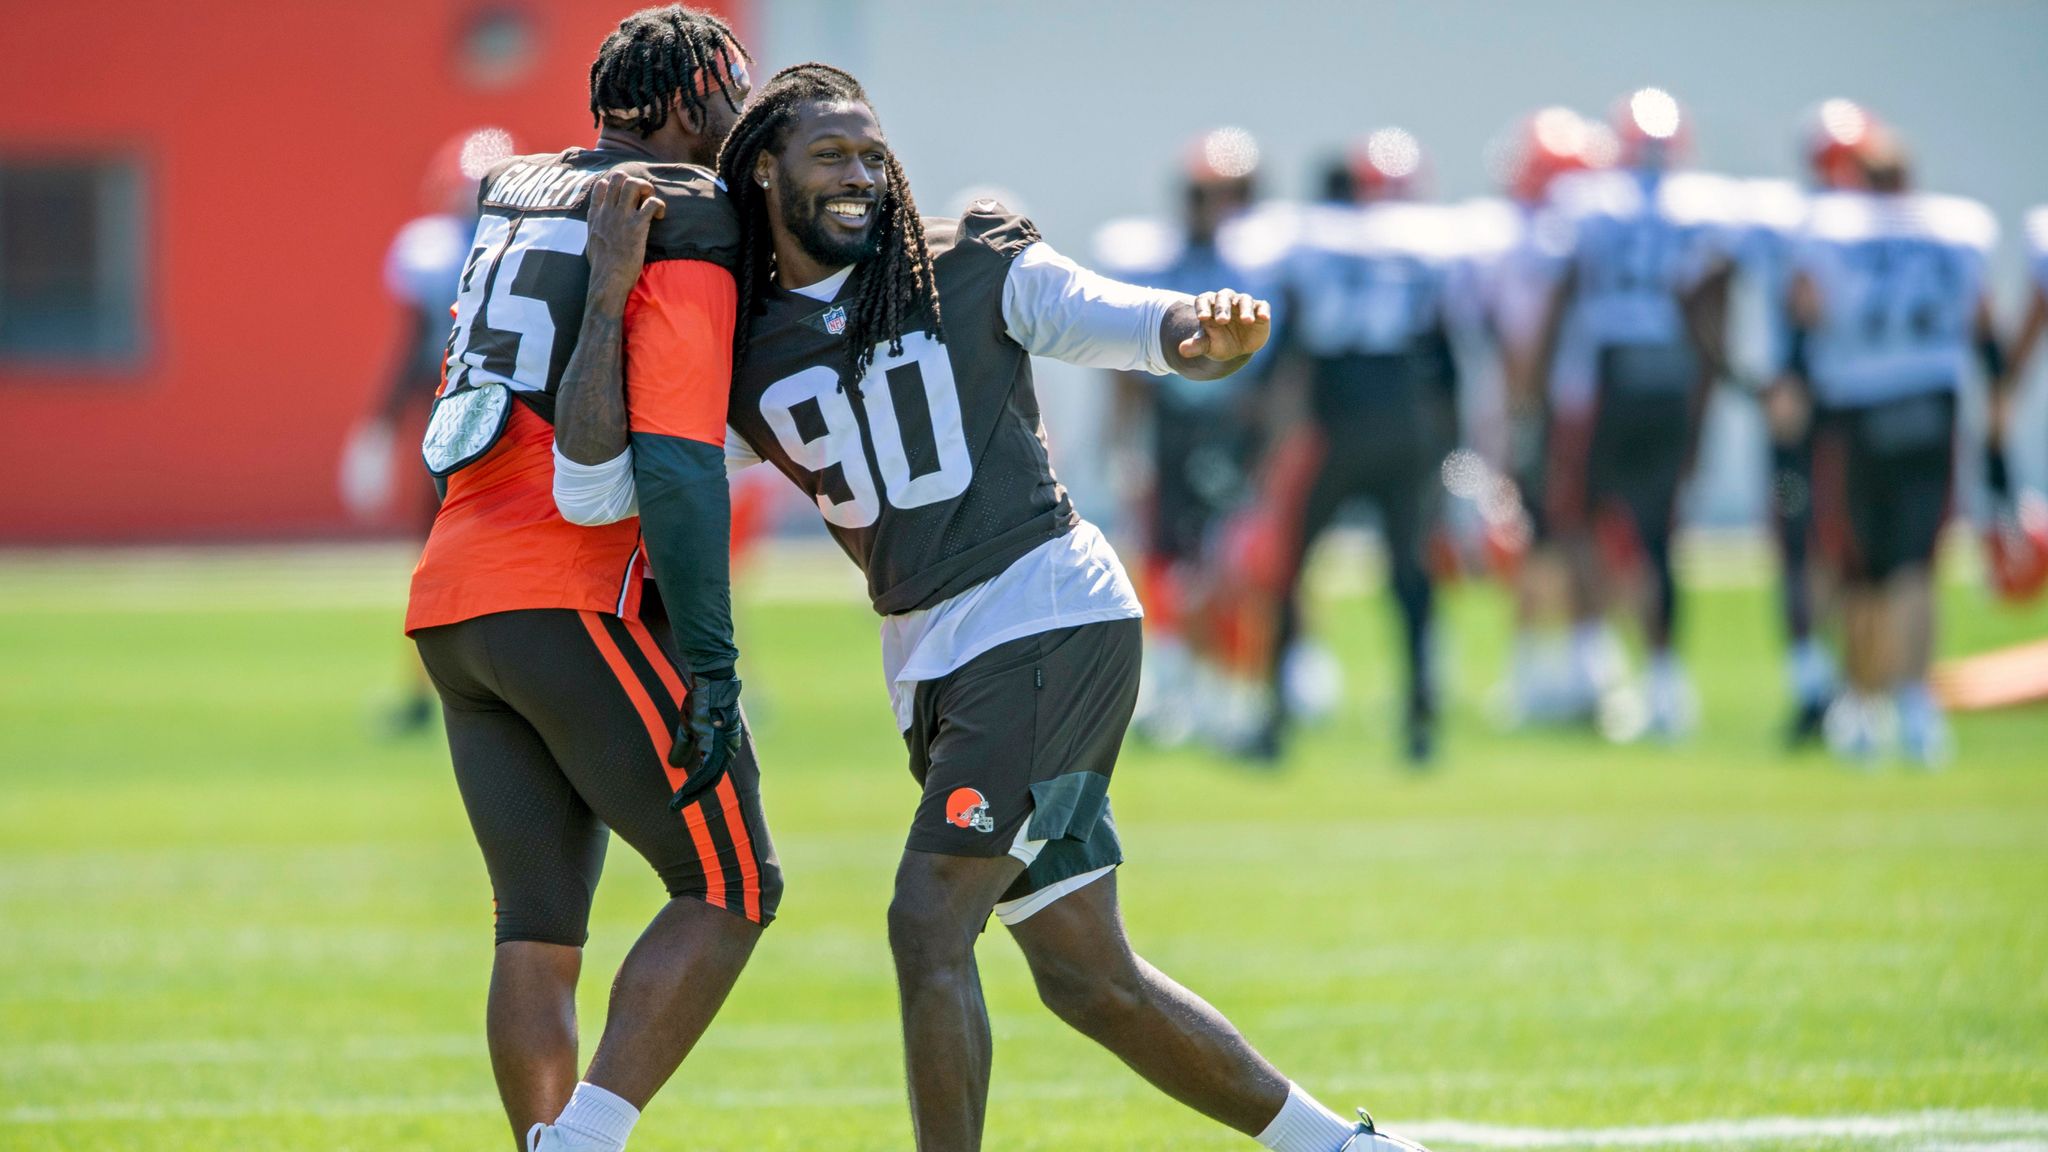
(657, 54)
(893, 290)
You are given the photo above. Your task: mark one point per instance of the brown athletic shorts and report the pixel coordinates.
(1014, 750)
(559, 723)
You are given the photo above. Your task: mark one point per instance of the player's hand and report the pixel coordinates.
(708, 739)
(1787, 411)
(622, 209)
(1234, 325)
(366, 479)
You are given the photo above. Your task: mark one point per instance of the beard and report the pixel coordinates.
(817, 236)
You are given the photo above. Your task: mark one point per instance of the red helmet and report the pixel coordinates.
(1653, 130)
(2016, 547)
(1544, 146)
(461, 161)
(1222, 156)
(1386, 165)
(1836, 135)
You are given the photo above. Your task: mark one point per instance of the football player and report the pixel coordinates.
(2032, 328)
(1518, 249)
(576, 700)
(1888, 304)
(1200, 433)
(1635, 328)
(421, 271)
(1367, 289)
(1775, 211)
(884, 366)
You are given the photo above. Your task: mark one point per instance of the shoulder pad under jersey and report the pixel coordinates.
(697, 222)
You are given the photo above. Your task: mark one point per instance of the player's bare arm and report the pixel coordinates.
(2031, 331)
(1216, 335)
(590, 414)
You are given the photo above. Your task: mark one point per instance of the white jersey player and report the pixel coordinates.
(1202, 441)
(1518, 253)
(1889, 304)
(2035, 325)
(1370, 292)
(1636, 325)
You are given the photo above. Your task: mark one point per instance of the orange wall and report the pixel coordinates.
(282, 144)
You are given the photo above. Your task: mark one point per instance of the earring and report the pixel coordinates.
(764, 181)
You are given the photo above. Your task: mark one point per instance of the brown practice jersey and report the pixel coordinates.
(520, 299)
(498, 543)
(932, 470)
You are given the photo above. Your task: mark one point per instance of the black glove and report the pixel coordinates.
(708, 738)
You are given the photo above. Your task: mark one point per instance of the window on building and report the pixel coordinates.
(70, 260)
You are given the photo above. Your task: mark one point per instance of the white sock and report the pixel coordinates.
(599, 1120)
(1304, 1125)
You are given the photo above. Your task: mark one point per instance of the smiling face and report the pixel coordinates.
(827, 181)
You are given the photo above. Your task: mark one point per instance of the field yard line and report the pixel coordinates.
(1769, 1129)
(2015, 1131)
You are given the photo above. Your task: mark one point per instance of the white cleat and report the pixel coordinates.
(1923, 731)
(1859, 730)
(548, 1138)
(1674, 706)
(1369, 1137)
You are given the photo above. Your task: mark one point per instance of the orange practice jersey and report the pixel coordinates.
(498, 543)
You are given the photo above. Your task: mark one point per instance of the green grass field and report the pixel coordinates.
(231, 917)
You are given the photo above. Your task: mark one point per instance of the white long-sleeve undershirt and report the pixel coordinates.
(1052, 306)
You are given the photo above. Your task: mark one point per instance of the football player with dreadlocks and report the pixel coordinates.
(575, 705)
(884, 366)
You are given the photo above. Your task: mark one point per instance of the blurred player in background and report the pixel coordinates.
(884, 366)
(1367, 292)
(1519, 248)
(1774, 213)
(580, 701)
(1888, 305)
(2035, 325)
(2017, 535)
(1637, 324)
(420, 272)
(1202, 438)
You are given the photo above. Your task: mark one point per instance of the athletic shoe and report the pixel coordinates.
(1368, 1137)
(1673, 706)
(1418, 731)
(1859, 729)
(1923, 730)
(1808, 720)
(548, 1138)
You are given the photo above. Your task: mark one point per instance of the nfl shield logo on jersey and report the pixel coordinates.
(835, 320)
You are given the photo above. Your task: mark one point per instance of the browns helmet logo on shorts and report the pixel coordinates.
(968, 808)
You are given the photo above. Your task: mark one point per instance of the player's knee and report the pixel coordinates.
(1089, 996)
(925, 933)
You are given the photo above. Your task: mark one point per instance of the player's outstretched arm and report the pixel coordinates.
(1057, 309)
